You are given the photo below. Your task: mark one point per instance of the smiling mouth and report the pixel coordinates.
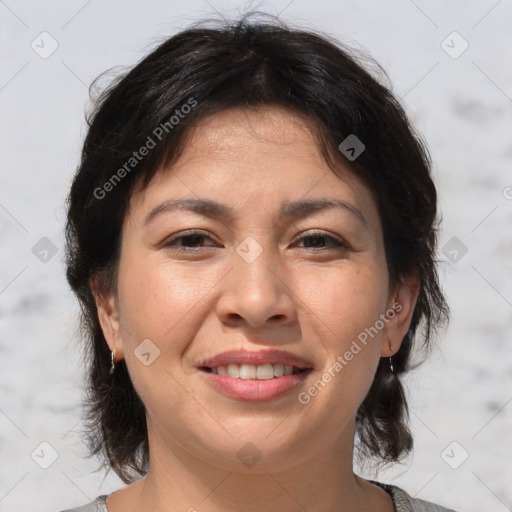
(255, 372)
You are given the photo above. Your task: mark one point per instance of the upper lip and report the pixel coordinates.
(272, 356)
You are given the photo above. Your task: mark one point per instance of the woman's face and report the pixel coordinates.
(261, 272)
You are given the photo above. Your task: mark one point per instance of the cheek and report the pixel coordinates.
(166, 304)
(346, 305)
(345, 301)
(158, 297)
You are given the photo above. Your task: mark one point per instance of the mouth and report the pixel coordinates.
(246, 371)
(255, 375)
(251, 383)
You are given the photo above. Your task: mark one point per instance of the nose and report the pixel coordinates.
(256, 294)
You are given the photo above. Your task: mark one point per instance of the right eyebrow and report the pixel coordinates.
(206, 207)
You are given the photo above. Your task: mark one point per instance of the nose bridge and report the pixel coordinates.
(255, 292)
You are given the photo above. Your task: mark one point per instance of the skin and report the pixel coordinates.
(197, 298)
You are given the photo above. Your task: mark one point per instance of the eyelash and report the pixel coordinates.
(337, 244)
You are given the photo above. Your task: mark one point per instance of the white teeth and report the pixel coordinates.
(278, 370)
(247, 371)
(250, 371)
(265, 372)
(234, 371)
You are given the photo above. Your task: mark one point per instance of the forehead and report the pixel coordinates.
(267, 138)
(238, 126)
(250, 158)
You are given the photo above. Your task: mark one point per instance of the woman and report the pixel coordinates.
(251, 235)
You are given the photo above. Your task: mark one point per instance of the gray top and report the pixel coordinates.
(403, 502)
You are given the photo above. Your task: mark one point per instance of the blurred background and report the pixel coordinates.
(449, 62)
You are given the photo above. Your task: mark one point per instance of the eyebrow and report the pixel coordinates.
(289, 210)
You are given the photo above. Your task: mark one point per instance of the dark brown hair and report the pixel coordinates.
(251, 62)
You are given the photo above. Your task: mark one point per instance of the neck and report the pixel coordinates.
(322, 482)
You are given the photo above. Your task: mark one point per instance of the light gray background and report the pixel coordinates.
(461, 105)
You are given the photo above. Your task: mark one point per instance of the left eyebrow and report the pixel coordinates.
(297, 209)
(289, 210)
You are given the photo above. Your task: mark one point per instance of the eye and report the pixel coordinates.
(188, 240)
(321, 241)
(193, 241)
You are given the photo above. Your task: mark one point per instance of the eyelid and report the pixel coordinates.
(183, 234)
(315, 232)
(335, 239)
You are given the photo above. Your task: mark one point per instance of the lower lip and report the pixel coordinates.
(253, 390)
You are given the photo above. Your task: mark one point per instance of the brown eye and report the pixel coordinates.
(190, 240)
(320, 241)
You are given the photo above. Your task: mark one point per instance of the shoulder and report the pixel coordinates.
(406, 503)
(98, 505)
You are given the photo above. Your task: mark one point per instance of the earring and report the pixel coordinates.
(112, 364)
(391, 361)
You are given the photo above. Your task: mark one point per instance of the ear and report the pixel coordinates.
(399, 314)
(108, 314)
